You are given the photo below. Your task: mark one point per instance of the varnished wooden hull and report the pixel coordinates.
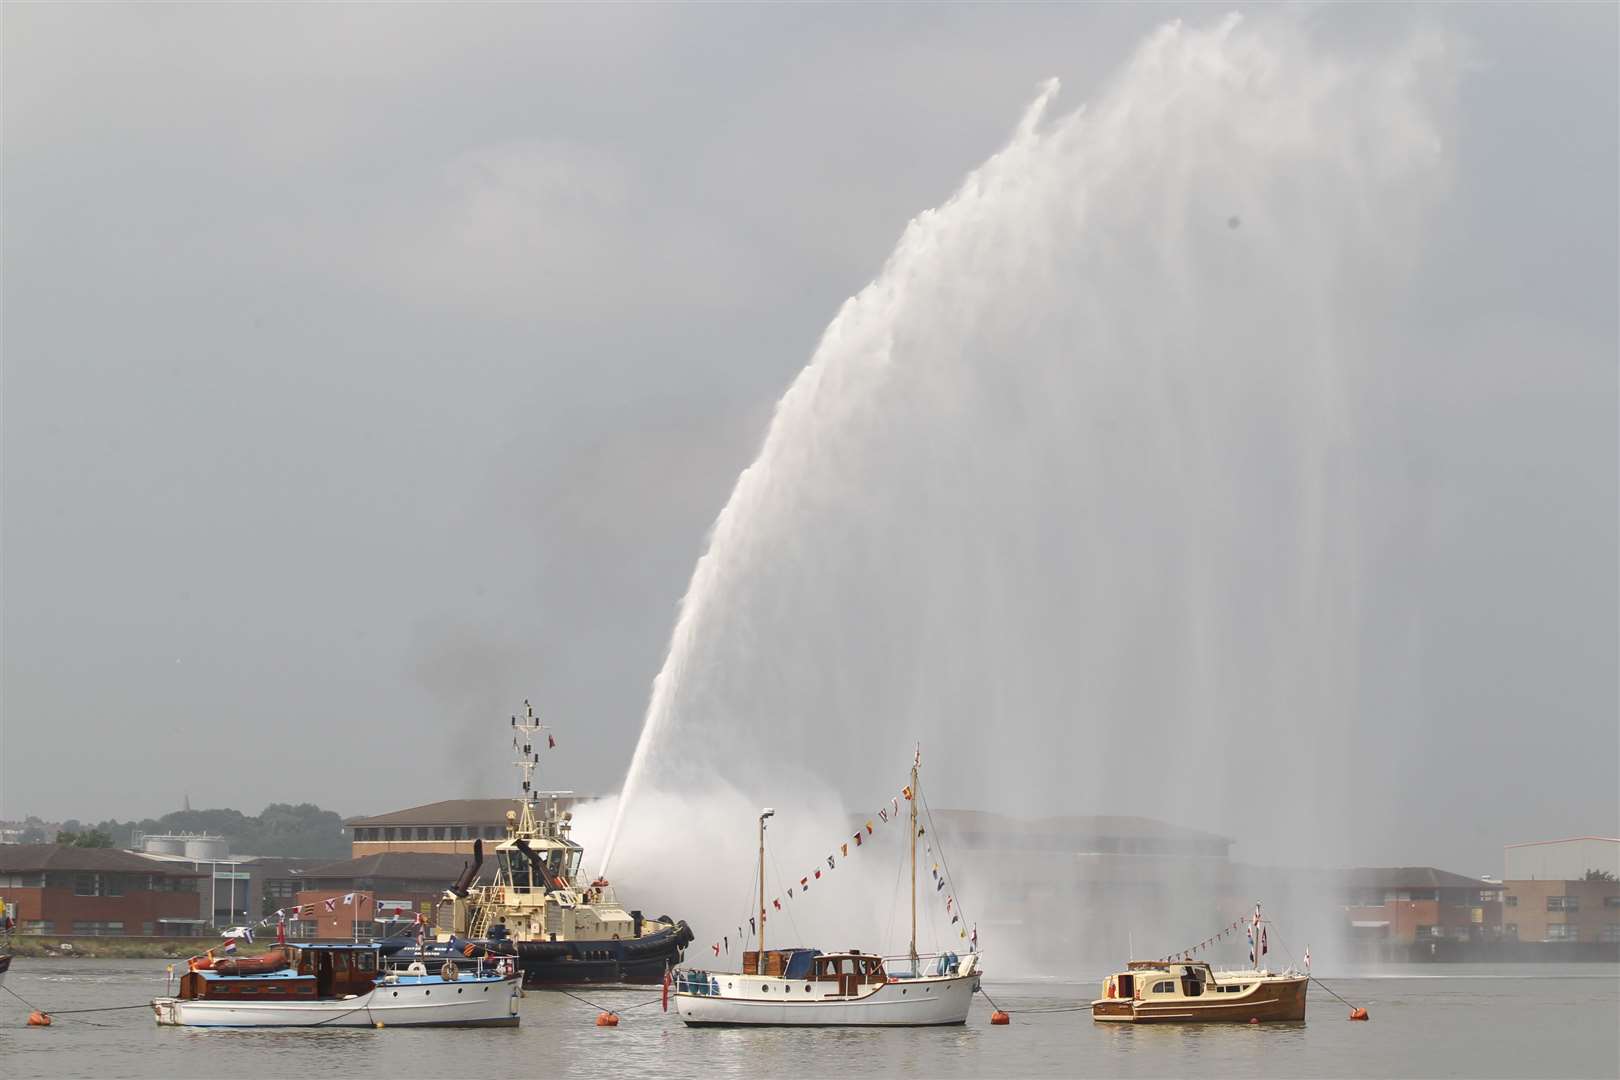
(1271, 1000)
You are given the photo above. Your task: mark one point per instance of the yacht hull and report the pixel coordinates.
(741, 1002)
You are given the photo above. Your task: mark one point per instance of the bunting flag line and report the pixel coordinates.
(830, 864)
(842, 850)
(883, 815)
(857, 839)
(868, 827)
(818, 873)
(331, 903)
(777, 904)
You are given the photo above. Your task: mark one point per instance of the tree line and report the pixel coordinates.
(301, 830)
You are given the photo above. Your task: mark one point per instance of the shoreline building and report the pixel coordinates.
(441, 828)
(1563, 891)
(55, 889)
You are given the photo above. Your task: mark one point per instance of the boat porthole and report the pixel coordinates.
(458, 989)
(396, 993)
(903, 990)
(728, 986)
(807, 988)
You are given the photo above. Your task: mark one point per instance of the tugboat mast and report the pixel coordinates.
(525, 737)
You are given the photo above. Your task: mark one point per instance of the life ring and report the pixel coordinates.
(417, 969)
(449, 972)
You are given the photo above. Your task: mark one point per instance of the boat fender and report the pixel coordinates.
(417, 968)
(1000, 1019)
(449, 972)
(666, 989)
(607, 1019)
(1358, 1014)
(468, 951)
(39, 1019)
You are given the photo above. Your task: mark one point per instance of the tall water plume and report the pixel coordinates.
(1068, 493)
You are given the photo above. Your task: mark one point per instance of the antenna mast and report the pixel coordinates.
(524, 741)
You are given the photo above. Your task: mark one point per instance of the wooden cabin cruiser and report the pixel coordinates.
(536, 908)
(806, 987)
(809, 988)
(338, 986)
(1190, 991)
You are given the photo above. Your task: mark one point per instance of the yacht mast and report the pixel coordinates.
(916, 761)
(767, 812)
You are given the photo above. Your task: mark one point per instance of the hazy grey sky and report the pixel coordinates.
(367, 369)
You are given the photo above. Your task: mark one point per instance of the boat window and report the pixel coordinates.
(1163, 987)
(368, 961)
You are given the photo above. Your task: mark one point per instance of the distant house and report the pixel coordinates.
(57, 889)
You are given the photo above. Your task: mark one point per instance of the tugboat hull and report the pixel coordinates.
(640, 960)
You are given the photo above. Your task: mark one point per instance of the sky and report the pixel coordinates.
(370, 369)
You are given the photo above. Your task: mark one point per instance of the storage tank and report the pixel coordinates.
(206, 848)
(163, 845)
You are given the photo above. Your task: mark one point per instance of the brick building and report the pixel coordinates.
(99, 891)
(441, 828)
(1415, 904)
(391, 880)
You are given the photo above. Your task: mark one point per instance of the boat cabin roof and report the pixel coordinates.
(1176, 967)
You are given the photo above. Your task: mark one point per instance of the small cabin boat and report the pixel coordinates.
(1190, 991)
(338, 986)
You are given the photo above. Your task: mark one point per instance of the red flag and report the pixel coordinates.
(551, 743)
(818, 875)
(777, 904)
(717, 948)
(857, 839)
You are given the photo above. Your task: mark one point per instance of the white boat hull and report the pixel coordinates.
(744, 1000)
(483, 1003)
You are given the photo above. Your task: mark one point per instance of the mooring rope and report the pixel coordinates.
(68, 1013)
(604, 1008)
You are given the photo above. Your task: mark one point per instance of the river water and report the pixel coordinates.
(1474, 1021)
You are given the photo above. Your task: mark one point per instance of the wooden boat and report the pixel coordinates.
(1190, 991)
(5, 966)
(809, 988)
(341, 986)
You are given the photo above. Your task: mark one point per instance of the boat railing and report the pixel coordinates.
(928, 964)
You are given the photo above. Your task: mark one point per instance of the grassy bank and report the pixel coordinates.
(119, 948)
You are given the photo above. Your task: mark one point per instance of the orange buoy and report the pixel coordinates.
(39, 1019)
(999, 1017)
(607, 1019)
(1358, 1014)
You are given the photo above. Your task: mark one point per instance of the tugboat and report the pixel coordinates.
(808, 988)
(562, 933)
